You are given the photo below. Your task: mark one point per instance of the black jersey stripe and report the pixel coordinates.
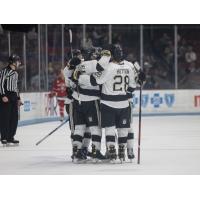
(106, 97)
(8, 81)
(88, 92)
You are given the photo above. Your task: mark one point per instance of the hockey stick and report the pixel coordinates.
(71, 49)
(51, 132)
(139, 132)
(70, 42)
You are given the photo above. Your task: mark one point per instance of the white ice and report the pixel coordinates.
(169, 145)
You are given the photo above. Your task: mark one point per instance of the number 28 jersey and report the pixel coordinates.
(116, 81)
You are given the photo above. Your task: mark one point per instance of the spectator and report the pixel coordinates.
(191, 79)
(190, 55)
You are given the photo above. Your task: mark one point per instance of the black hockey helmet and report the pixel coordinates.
(74, 62)
(116, 52)
(13, 58)
(87, 53)
(93, 53)
(76, 53)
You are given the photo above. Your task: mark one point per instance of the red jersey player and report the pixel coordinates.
(59, 90)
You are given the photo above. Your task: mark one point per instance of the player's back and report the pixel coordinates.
(119, 76)
(118, 79)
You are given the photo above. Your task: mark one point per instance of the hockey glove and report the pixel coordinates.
(141, 77)
(69, 92)
(105, 53)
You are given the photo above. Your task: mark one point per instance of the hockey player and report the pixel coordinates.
(59, 90)
(117, 79)
(68, 71)
(86, 107)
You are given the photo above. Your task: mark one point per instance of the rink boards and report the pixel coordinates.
(40, 107)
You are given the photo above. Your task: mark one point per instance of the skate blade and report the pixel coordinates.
(12, 145)
(94, 160)
(113, 161)
(78, 161)
(121, 160)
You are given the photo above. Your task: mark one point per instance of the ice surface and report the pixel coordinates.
(170, 145)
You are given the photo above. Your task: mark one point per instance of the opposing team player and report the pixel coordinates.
(59, 90)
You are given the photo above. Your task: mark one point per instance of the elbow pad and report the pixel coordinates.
(99, 68)
(93, 81)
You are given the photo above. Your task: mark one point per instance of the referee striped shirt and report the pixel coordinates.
(8, 82)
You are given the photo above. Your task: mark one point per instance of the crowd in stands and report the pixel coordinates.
(158, 54)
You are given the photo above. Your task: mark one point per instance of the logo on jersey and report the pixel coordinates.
(169, 99)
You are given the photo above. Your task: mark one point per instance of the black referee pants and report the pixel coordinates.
(8, 119)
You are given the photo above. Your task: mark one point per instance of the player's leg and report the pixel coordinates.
(80, 128)
(86, 138)
(108, 122)
(92, 113)
(86, 142)
(61, 109)
(122, 125)
(122, 142)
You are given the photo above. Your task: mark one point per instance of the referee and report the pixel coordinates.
(9, 100)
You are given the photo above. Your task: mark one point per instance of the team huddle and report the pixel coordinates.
(100, 84)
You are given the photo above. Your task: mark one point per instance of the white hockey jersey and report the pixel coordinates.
(68, 82)
(89, 67)
(116, 81)
(89, 92)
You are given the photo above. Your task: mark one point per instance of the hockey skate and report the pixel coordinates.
(130, 154)
(78, 155)
(112, 154)
(61, 119)
(121, 153)
(86, 152)
(4, 143)
(12, 142)
(97, 155)
(74, 151)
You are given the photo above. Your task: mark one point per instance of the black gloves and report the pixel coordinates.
(69, 92)
(141, 78)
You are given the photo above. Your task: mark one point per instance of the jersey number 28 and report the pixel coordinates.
(121, 83)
